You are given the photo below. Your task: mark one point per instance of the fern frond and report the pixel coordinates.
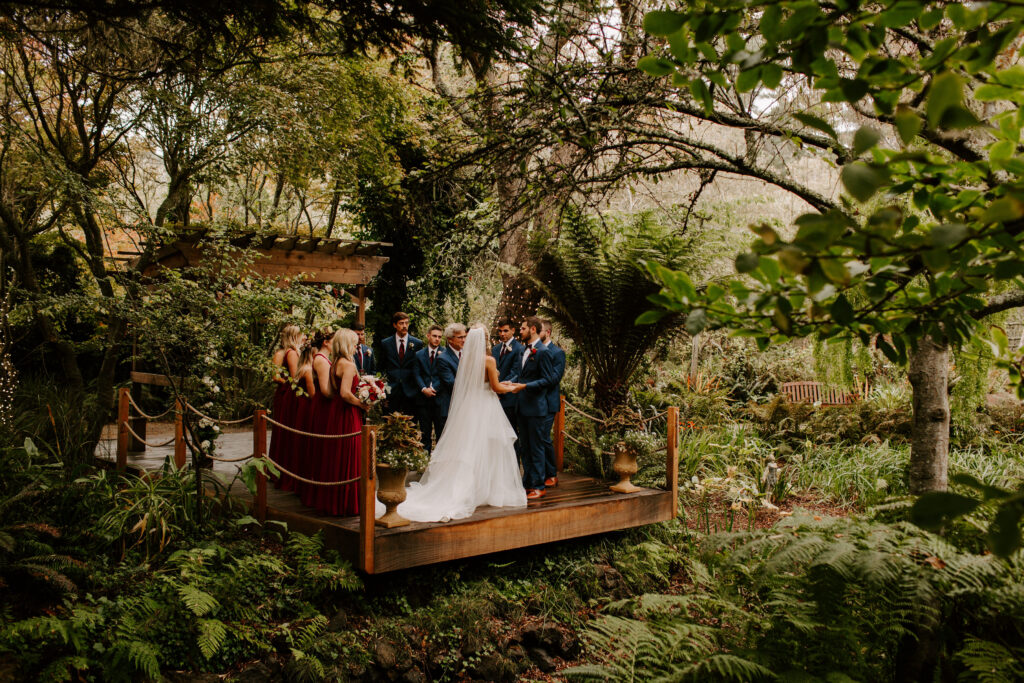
(212, 634)
(199, 602)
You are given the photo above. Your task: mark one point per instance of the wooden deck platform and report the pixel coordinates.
(579, 506)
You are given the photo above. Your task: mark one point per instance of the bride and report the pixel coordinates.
(474, 461)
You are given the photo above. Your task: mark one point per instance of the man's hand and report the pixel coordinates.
(516, 388)
(429, 391)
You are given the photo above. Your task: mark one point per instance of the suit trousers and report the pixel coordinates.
(513, 419)
(550, 467)
(431, 423)
(531, 434)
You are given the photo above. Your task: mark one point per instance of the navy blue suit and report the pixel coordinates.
(538, 374)
(364, 360)
(439, 374)
(554, 405)
(400, 374)
(508, 371)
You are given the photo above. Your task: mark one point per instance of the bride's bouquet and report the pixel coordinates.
(371, 390)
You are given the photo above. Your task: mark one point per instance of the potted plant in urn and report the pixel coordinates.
(620, 434)
(399, 450)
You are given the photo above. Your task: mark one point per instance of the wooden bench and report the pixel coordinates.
(816, 392)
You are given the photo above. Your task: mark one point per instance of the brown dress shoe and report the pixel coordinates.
(534, 494)
(553, 481)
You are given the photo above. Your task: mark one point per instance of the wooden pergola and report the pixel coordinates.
(316, 260)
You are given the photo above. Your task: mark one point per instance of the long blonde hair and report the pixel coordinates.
(291, 337)
(343, 345)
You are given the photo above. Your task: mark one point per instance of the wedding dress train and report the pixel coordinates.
(474, 461)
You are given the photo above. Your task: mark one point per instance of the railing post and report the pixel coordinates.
(672, 457)
(367, 497)
(560, 433)
(259, 450)
(179, 434)
(137, 444)
(122, 429)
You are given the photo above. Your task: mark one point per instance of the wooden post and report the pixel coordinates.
(560, 433)
(259, 450)
(122, 429)
(138, 423)
(361, 304)
(672, 457)
(179, 434)
(367, 498)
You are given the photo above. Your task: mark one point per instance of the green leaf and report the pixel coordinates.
(656, 66)
(853, 88)
(649, 317)
(748, 79)
(841, 310)
(747, 262)
(861, 180)
(702, 94)
(864, 139)
(948, 234)
(946, 92)
(696, 321)
(771, 75)
(995, 91)
(1004, 532)
(934, 510)
(662, 23)
(1003, 210)
(817, 123)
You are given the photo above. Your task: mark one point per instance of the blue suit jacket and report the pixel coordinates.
(438, 375)
(400, 375)
(538, 374)
(558, 362)
(447, 365)
(508, 368)
(367, 366)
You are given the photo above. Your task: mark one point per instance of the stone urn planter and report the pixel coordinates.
(391, 492)
(625, 467)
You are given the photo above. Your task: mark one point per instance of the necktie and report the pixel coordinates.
(432, 354)
(360, 357)
(401, 350)
(504, 350)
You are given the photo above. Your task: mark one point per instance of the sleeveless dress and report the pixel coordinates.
(282, 442)
(339, 458)
(309, 463)
(301, 444)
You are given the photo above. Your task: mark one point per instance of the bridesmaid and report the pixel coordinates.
(302, 418)
(286, 358)
(320, 408)
(341, 458)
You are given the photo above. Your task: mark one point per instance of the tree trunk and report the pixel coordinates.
(929, 448)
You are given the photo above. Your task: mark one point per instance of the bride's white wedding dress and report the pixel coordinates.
(474, 462)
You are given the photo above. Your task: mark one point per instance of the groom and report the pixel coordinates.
(536, 377)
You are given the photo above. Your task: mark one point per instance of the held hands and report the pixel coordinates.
(429, 391)
(516, 387)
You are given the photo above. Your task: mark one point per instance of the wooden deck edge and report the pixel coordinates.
(444, 543)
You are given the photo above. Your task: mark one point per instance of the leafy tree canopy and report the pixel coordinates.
(934, 206)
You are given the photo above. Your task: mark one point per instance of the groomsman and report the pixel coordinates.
(508, 353)
(398, 361)
(448, 366)
(554, 403)
(536, 375)
(428, 365)
(363, 356)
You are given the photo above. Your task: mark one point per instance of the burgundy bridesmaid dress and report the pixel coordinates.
(282, 442)
(340, 459)
(300, 443)
(309, 462)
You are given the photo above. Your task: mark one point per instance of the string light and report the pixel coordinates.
(8, 383)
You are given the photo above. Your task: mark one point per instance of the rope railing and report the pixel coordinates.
(219, 459)
(573, 439)
(142, 413)
(310, 481)
(141, 440)
(218, 420)
(589, 417)
(654, 417)
(293, 430)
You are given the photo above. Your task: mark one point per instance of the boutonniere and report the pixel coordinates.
(368, 352)
(533, 351)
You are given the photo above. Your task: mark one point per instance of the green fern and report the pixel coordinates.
(991, 662)
(212, 634)
(198, 601)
